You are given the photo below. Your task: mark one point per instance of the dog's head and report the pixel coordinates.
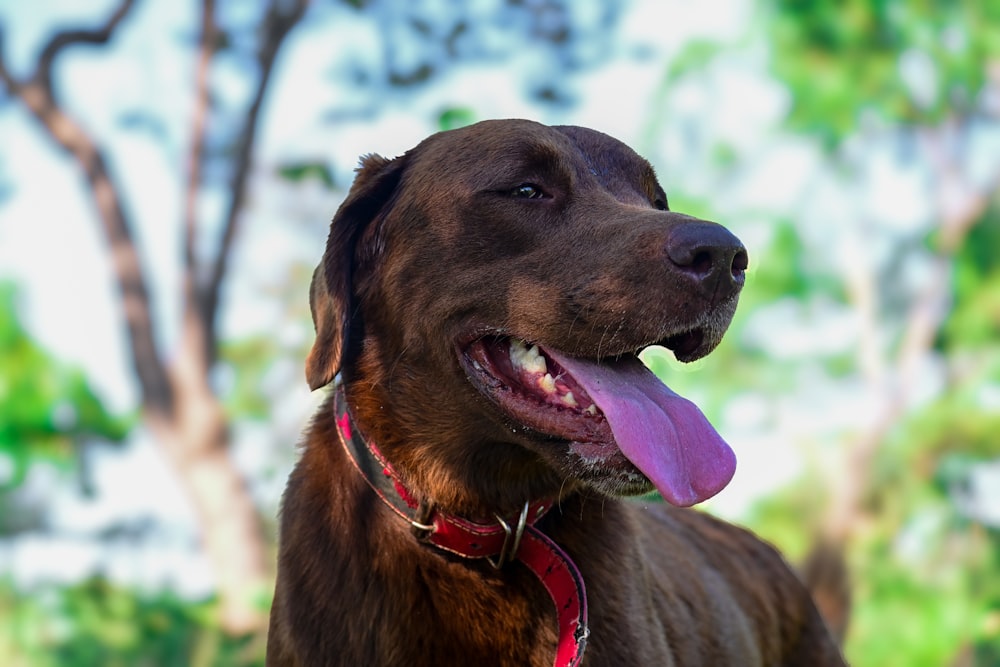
(485, 296)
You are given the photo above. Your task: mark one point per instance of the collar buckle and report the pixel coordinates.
(422, 525)
(511, 540)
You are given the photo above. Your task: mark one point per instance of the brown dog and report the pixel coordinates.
(483, 298)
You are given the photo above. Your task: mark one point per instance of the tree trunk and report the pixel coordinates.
(196, 438)
(960, 206)
(178, 403)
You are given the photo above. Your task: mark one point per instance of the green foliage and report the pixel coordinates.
(47, 406)
(250, 359)
(97, 623)
(697, 54)
(782, 271)
(924, 573)
(975, 320)
(931, 620)
(785, 518)
(957, 423)
(455, 117)
(924, 585)
(900, 61)
(298, 172)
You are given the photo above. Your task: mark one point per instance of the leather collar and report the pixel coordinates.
(507, 539)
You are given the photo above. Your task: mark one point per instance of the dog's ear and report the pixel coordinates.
(331, 293)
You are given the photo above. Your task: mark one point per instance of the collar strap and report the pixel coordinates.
(499, 542)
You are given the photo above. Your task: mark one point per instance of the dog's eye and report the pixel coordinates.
(527, 191)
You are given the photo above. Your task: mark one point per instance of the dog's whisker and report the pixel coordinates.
(395, 364)
(569, 332)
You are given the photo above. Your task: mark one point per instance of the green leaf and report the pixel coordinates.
(298, 172)
(455, 117)
(48, 407)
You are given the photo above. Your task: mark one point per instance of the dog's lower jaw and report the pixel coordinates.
(606, 470)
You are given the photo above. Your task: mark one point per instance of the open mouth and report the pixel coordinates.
(607, 408)
(531, 387)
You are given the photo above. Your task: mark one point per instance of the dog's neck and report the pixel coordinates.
(500, 541)
(427, 522)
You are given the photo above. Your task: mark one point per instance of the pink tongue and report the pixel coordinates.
(666, 436)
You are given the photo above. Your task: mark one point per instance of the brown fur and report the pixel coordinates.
(427, 252)
(825, 574)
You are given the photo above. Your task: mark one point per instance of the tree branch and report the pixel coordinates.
(278, 22)
(37, 96)
(960, 207)
(199, 114)
(65, 38)
(12, 85)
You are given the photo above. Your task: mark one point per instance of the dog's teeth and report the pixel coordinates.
(591, 409)
(536, 362)
(527, 359)
(569, 399)
(547, 384)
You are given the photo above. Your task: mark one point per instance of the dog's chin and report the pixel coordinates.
(604, 469)
(697, 342)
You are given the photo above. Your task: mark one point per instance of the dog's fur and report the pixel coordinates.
(430, 252)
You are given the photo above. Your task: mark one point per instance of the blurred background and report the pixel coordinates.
(168, 171)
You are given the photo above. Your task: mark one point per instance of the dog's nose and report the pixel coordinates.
(709, 253)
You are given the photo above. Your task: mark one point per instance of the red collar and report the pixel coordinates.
(499, 542)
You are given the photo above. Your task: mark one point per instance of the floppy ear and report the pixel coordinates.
(331, 294)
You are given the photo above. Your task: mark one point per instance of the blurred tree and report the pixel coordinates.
(924, 75)
(179, 402)
(918, 82)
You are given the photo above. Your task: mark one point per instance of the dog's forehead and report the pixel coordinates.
(603, 153)
(506, 147)
(494, 142)
(611, 161)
